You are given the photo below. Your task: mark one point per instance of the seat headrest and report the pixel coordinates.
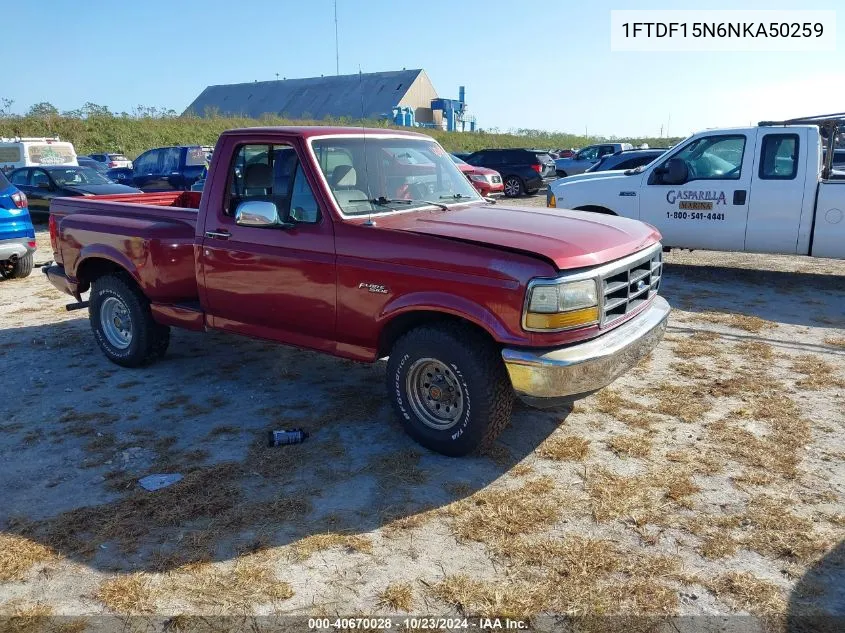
(258, 176)
(344, 176)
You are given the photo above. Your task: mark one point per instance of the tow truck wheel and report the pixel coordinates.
(449, 387)
(123, 324)
(18, 268)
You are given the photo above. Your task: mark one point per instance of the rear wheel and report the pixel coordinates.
(19, 268)
(123, 324)
(449, 387)
(514, 186)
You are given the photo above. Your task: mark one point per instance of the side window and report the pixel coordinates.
(588, 153)
(20, 178)
(303, 206)
(147, 163)
(39, 177)
(476, 159)
(714, 157)
(170, 160)
(779, 157)
(264, 172)
(632, 163)
(604, 150)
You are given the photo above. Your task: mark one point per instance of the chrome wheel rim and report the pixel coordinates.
(116, 323)
(512, 187)
(435, 394)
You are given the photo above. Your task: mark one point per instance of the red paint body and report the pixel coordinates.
(485, 187)
(302, 286)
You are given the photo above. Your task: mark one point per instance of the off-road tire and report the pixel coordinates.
(476, 363)
(516, 182)
(149, 339)
(21, 268)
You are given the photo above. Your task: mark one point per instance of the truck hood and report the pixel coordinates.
(606, 176)
(568, 239)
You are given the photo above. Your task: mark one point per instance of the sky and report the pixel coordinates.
(525, 65)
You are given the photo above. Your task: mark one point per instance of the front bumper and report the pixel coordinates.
(548, 377)
(16, 248)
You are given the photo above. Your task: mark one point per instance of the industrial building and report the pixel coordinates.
(404, 97)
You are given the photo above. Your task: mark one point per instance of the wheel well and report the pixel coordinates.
(595, 209)
(394, 329)
(95, 267)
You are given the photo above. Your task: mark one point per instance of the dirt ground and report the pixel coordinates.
(708, 481)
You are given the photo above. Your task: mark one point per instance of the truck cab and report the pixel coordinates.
(761, 189)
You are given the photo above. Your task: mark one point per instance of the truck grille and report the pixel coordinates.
(497, 179)
(630, 286)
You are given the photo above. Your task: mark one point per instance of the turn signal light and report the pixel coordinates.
(561, 320)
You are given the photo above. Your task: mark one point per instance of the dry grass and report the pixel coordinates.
(747, 592)
(630, 445)
(612, 403)
(836, 341)
(737, 320)
(398, 469)
(698, 345)
(615, 496)
(127, 595)
(687, 403)
(475, 598)
(755, 351)
(394, 527)
(18, 554)
(17, 616)
(173, 402)
(719, 545)
(816, 374)
(304, 548)
(569, 448)
(238, 588)
(495, 513)
(521, 470)
(397, 597)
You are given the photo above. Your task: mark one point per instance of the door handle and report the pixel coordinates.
(739, 196)
(218, 235)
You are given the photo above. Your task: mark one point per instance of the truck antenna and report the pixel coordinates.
(369, 221)
(336, 47)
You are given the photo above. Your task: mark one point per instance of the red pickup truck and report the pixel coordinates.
(367, 243)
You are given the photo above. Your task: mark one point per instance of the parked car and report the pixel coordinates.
(17, 235)
(318, 237)
(170, 168)
(462, 155)
(121, 175)
(627, 159)
(565, 153)
(33, 151)
(523, 172)
(487, 181)
(758, 189)
(113, 161)
(42, 184)
(587, 157)
(87, 161)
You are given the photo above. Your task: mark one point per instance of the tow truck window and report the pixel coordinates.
(714, 157)
(779, 157)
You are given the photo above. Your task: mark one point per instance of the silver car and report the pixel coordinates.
(587, 157)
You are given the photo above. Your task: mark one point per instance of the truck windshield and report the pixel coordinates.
(411, 172)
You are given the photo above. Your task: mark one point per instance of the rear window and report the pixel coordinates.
(117, 157)
(197, 157)
(50, 154)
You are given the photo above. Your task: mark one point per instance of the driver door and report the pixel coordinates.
(709, 209)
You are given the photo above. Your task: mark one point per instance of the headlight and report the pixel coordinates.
(478, 177)
(562, 305)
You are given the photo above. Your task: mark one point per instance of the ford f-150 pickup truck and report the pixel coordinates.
(368, 244)
(764, 189)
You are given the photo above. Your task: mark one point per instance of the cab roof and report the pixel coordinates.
(309, 131)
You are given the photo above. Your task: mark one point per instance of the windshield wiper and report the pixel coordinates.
(381, 201)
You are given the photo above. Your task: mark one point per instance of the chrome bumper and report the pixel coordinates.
(548, 377)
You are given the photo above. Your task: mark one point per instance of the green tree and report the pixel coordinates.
(43, 110)
(6, 107)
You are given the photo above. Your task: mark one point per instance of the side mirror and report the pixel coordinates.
(257, 213)
(674, 172)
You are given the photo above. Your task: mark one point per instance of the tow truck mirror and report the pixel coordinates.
(257, 213)
(675, 172)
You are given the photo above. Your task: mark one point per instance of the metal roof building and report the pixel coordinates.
(320, 97)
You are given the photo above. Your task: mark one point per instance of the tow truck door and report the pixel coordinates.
(778, 191)
(710, 209)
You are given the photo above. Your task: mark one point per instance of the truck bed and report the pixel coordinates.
(151, 235)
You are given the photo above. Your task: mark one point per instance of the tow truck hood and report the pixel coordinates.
(569, 239)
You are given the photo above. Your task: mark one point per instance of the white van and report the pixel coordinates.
(32, 152)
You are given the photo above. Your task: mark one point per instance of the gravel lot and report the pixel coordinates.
(708, 481)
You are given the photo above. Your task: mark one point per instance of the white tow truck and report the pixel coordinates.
(765, 189)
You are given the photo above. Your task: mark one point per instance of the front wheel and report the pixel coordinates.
(123, 324)
(449, 387)
(514, 186)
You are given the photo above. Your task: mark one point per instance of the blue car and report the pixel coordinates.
(17, 235)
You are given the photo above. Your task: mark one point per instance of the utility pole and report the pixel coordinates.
(336, 48)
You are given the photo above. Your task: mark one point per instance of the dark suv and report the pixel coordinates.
(627, 159)
(170, 168)
(524, 171)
